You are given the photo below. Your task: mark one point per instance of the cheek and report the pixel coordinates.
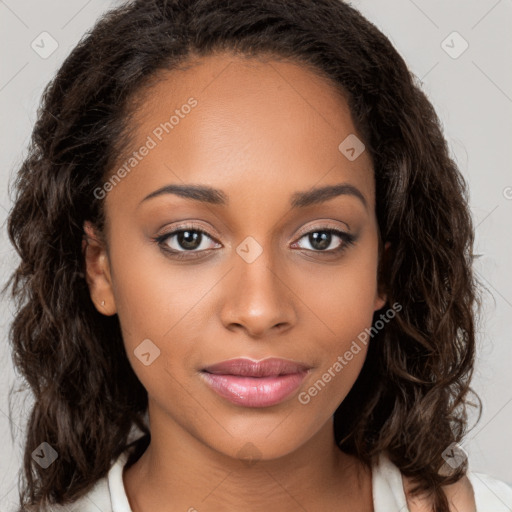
(342, 305)
(340, 356)
(330, 384)
(163, 309)
(154, 297)
(341, 298)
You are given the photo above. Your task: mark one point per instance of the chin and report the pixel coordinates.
(260, 445)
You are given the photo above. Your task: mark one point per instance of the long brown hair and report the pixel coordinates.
(412, 396)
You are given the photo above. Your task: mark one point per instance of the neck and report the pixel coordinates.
(179, 472)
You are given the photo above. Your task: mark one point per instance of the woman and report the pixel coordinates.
(245, 278)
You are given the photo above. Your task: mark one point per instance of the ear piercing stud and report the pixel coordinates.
(103, 303)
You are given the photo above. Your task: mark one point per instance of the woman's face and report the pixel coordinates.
(267, 278)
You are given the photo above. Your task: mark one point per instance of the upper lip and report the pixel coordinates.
(272, 366)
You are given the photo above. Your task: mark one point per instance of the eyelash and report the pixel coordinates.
(347, 238)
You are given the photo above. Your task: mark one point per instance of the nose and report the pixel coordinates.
(258, 299)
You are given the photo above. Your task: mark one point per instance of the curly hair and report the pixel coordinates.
(411, 398)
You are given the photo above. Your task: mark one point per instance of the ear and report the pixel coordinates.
(381, 297)
(97, 271)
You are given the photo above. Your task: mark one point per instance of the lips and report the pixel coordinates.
(271, 367)
(255, 383)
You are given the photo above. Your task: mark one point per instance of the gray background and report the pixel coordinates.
(472, 94)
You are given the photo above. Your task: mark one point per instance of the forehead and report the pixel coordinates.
(232, 121)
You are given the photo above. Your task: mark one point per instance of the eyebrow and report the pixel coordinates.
(215, 196)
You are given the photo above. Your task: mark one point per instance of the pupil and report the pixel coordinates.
(320, 242)
(189, 239)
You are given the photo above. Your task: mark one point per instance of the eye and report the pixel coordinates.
(185, 239)
(323, 239)
(189, 241)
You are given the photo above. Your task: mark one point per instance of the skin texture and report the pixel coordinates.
(261, 131)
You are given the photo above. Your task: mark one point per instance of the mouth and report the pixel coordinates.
(252, 383)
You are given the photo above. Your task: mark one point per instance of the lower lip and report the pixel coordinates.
(254, 391)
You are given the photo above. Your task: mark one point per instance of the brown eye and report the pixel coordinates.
(324, 240)
(185, 239)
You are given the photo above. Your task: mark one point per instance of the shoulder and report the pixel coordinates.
(475, 492)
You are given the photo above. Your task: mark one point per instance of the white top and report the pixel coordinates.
(491, 495)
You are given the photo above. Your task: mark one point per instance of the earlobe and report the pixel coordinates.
(97, 271)
(381, 296)
(380, 300)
